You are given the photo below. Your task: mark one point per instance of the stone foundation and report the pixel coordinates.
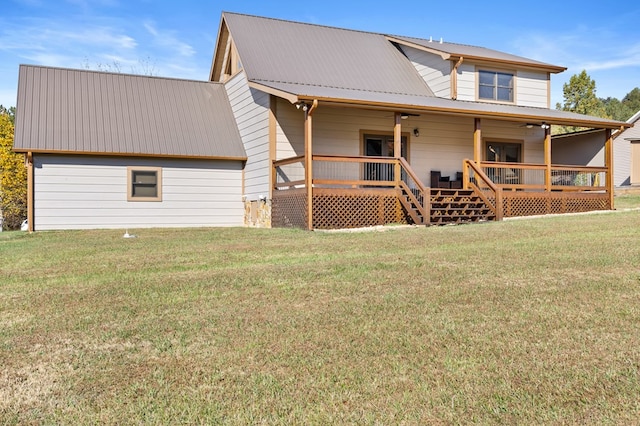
(257, 213)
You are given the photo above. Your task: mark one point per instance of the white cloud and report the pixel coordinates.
(167, 39)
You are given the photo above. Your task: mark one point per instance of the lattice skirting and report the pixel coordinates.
(346, 208)
(337, 208)
(539, 203)
(289, 209)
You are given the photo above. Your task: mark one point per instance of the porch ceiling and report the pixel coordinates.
(295, 92)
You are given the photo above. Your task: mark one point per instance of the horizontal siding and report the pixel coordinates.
(434, 70)
(77, 192)
(251, 110)
(532, 89)
(443, 143)
(467, 82)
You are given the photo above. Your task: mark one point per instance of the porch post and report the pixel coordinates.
(272, 143)
(30, 189)
(308, 159)
(608, 162)
(547, 158)
(477, 140)
(397, 146)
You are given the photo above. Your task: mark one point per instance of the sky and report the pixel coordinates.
(177, 38)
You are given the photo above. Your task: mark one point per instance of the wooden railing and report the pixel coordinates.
(523, 176)
(473, 177)
(331, 171)
(288, 173)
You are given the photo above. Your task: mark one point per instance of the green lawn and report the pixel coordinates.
(518, 322)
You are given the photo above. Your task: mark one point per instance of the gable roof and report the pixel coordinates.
(90, 112)
(274, 50)
(302, 62)
(632, 134)
(454, 50)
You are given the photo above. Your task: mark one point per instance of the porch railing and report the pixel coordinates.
(475, 178)
(523, 176)
(353, 172)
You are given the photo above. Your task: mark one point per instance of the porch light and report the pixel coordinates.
(404, 116)
(416, 132)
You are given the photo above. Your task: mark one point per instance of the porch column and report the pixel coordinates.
(547, 158)
(397, 146)
(608, 162)
(477, 141)
(308, 159)
(30, 197)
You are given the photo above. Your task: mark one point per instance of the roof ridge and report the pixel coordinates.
(331, 27)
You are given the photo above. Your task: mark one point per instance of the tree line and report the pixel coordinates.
(579, 96)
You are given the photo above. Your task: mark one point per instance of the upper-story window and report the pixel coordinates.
(495, 85)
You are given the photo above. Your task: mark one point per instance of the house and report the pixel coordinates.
(306, 126)
(584, 148)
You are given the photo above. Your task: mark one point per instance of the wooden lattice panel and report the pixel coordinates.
(539, 203)
(289, 209)
(344, 208)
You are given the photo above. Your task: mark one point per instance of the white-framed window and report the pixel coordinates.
(495, 85)
(144, 183)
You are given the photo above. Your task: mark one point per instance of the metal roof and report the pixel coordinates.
(274, 50)
(475, 52)
(90, 112)
(301, 61)
(407, 103)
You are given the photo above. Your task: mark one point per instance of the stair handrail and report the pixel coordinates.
(425, 203)
(496, 208)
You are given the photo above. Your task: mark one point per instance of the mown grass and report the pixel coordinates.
(627, 201)
(518, 322)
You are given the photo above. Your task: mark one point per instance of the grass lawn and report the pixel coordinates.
(518, 322)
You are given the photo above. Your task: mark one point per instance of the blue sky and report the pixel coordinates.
(176, 38)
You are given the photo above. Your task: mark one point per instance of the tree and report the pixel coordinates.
(11, 112)
(580, 97)
(616, 109)
(13, 175)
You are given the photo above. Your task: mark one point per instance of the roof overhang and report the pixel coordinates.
(421, 104)
(455, 56)
(127, 154)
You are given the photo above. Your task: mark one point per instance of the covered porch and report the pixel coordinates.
(324, 191)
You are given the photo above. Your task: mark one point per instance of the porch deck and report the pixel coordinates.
(349, 192)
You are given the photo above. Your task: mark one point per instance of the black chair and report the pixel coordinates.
(439, 181)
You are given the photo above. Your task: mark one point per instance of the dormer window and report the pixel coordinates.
(495, 86)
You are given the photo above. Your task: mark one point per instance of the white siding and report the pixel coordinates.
(532, 89)
(467, 82)
(434, 70)
(289, 130)
(251, 110)
(79, 192)
(443, 143)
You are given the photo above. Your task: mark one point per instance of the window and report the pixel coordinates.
(381, 146)
(495, 85)
(144, 184)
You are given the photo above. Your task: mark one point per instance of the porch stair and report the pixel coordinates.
(451, 206)
(412, 201)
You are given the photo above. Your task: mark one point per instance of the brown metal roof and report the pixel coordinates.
(80, 111)
(448, 50)
(274, 50)
(408, 103)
